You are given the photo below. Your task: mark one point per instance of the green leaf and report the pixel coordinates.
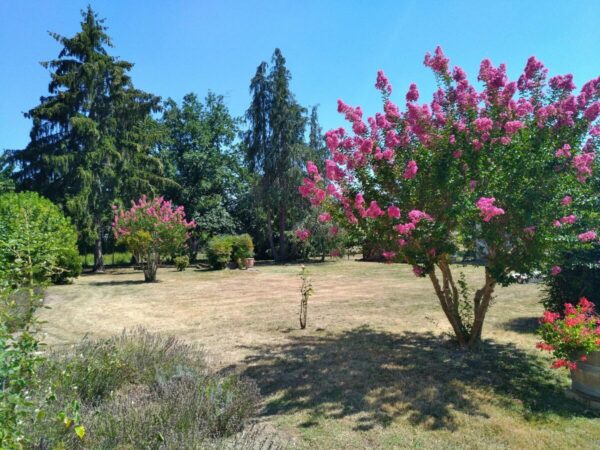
(80, 431)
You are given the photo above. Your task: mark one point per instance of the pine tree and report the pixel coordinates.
(316, 142)
(276, 149)
(88, 134)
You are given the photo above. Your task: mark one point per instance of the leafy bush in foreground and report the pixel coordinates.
(142, 390)
(38, 243)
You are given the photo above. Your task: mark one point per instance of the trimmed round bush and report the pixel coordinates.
(181, 263)
(242, 248)
(39, 244)
(219, 251)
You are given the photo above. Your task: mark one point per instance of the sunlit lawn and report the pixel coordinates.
(373, 369)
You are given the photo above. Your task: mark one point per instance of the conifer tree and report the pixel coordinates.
(275, 149)
(89, 147)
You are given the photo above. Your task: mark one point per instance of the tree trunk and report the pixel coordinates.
(449, 297)
(193, 248)
(282, 236)
(150, 268)
(481, 304)
(98, 257)
(270, 235)
(303, 312)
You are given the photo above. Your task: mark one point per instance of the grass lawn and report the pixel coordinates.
(371, 370)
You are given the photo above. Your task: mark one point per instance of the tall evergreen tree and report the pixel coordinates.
(316, 142)
(88, 134)
(275, 148)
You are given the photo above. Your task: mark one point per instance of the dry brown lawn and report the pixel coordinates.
(373, 368)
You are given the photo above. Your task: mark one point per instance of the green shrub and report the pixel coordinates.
(580, 277)
(38, 243)
(222, 250)
(243, 247)
(218, 251)
(141, 390)
(181, 262)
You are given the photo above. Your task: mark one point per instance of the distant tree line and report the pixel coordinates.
(97, 141)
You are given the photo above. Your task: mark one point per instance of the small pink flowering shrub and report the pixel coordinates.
(570, 337)
(500, 169)
(151, 229)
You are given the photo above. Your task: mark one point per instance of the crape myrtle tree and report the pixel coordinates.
(152, 229)
(90, 143)
(276, 151)
(503, 169)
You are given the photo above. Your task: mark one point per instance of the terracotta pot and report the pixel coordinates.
(248, 263)
(585, 379)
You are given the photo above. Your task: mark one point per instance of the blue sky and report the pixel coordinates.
(333, 48)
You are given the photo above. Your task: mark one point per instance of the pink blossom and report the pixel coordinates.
(457, 153)
(334, 231)
(383, 84)
(565, 151)
(567, 200)
(388, 255)
(393, 212)
(303, 235)
(555, 270)
(418, 271)
(325, 217)
(416, 216)
(513, 126)
(405, 229)
(587, 236)
(374, 211)
(533, 76)
(487, 208)
(311, 168)
(592, 112)
(411, 170)
(529, 230)
(483, 124)
(438, 62)
(583, 165)
(413, 93)
(570, 219)
(562, 82)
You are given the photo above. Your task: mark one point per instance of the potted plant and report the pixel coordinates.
(574, 339)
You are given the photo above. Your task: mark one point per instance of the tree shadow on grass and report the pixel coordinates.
(420, 377)
(525, 325)
(118, 282)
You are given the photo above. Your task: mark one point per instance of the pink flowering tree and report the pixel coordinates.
(151, 229)
(501, 169)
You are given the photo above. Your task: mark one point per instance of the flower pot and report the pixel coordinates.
(585, 380)
(248, 263)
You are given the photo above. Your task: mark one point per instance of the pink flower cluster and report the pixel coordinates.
(588, 236)
(583, 165)
(303, 235)
(156, 211)
(383, 84)
(487, 208)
